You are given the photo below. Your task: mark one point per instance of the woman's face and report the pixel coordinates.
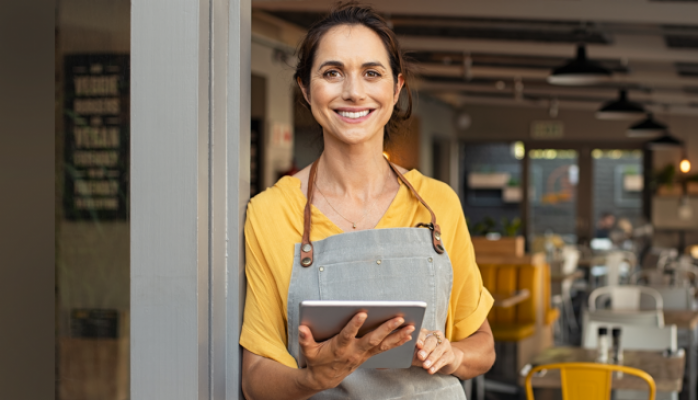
(352, 91)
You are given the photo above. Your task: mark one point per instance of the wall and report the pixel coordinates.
(436, 121)
(507, 123)
(271, 64)
(513, 123)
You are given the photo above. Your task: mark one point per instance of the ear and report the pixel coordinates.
(398, 87)
(305, 93)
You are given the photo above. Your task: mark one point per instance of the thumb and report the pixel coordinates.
(306, 340)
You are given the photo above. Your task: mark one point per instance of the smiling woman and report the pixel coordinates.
(390, 63)
(362, 246)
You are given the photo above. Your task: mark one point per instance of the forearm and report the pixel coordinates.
(263, 379)
(476, 354)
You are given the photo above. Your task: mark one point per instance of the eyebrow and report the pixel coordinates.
(341, 64)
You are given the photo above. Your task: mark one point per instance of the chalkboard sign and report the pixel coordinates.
(94, 324)
(96, 110)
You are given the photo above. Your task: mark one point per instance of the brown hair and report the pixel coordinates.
(354, 14)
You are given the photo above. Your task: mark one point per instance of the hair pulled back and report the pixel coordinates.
(353, 13)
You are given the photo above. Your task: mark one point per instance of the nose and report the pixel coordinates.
(353, 89)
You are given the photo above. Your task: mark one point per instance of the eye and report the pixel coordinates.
(332, 74)
(373, 74)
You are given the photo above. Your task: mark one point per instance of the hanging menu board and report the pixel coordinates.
(96, 110)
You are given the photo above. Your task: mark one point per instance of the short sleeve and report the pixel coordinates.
(470, 301)
(264, 323)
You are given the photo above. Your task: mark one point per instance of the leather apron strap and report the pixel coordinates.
(307, 246)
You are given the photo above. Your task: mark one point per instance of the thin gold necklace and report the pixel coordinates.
(353, 224)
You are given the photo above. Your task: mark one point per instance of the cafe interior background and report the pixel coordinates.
(540, 155)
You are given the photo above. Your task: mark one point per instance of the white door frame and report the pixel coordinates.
(190, 155)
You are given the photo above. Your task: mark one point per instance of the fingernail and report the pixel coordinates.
(427, 364)
(433, 369)
(422, 355)
(301, 334)
(410, 329)
(409, 338)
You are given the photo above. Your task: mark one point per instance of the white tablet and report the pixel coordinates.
(327, 318)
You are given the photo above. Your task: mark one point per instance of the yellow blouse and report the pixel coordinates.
(275, 224)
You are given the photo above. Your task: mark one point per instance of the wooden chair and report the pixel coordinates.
(583, 381)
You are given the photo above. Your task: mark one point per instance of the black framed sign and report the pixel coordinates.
(96, 115)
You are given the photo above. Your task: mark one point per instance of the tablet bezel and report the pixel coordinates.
(326, 318)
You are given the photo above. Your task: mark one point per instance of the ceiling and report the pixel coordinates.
(501, 51)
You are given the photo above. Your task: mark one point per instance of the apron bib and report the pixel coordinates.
(377, 264)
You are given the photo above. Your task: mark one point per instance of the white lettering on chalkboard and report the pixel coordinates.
(95, 158)
(97, 85)
(96, 188)
(107, 203)
(87, 137)
(105, 106)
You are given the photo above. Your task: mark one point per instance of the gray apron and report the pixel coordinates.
(376, 264)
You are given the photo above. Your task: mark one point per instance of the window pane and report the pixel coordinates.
(492, 187)
(553, 179)
(92, 181)
(618, 184)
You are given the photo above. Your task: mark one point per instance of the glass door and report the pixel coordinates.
(553, 177)
(92, 199)
(617, 193)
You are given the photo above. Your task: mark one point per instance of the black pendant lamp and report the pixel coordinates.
(648, 127)
(579, 71)
(664, 142)
(620, 109)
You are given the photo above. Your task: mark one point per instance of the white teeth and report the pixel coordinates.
(348, 114)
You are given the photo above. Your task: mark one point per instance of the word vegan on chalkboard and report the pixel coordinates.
(96, 115)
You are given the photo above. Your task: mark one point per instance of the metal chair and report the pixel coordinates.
(582, 381)
(674, 297)
(625, 297)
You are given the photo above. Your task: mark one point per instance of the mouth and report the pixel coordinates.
(356, 115)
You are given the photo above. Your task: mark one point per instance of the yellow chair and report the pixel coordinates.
(588, 381)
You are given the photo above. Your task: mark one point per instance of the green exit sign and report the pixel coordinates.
(547, 129)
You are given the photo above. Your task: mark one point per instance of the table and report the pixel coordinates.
(667, 372)
(687, 320)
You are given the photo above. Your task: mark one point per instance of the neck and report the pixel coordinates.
(358, 170)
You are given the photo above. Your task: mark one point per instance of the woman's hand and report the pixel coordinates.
(435, 354)
(329, 362)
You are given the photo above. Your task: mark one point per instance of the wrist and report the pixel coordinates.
(457, 368)
(306, 382)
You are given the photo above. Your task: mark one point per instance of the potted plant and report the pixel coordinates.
(504, 241)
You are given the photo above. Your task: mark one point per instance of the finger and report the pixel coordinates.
(445, 359)
(351, 329)
(422, 335)
(373, 339)
(306, 341)
(430, 344)
(436, 355)
(395, 339)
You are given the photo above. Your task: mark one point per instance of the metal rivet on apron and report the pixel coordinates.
(378, 262)
(306, 248)
(306, 261)
(437, 235)
(322, 269)
(440, 247)
(431, 259)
